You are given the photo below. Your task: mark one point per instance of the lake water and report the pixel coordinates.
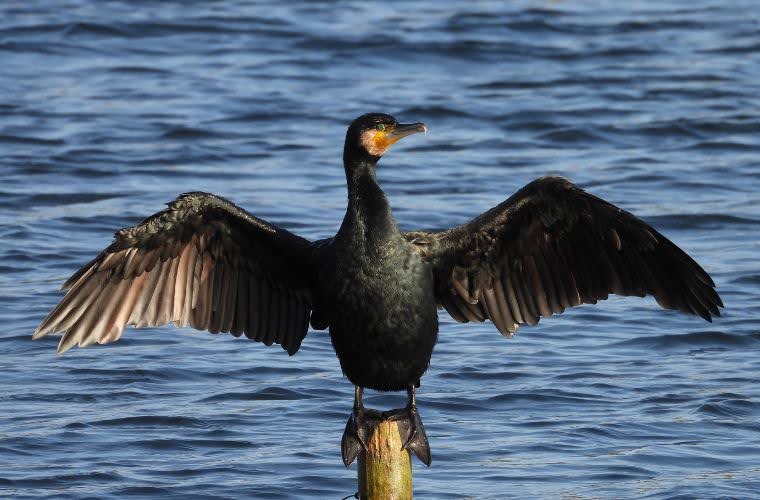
(108, 110)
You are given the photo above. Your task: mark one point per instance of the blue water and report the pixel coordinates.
(110, 109)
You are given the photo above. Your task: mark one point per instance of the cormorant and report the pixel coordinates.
(206, 263)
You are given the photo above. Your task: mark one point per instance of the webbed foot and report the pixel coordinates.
(360, 426)
(362, 423)
(412, 432)
(355, 436)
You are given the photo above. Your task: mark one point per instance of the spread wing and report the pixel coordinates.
(552, 246)
(201, 262)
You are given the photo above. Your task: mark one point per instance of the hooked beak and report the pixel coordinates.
(402, 130)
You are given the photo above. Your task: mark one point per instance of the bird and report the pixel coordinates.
(206, 263)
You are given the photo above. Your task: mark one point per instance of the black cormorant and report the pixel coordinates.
(206, 263)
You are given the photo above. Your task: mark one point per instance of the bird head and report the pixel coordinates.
(370, 136)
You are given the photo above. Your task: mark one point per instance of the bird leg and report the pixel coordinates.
(410, 423)
(363, 421)
(357, 432)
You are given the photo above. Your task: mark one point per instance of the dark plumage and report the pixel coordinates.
(206, 263)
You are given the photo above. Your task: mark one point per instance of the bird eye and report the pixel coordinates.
(380, 127)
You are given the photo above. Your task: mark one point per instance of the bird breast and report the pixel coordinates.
(373, 285)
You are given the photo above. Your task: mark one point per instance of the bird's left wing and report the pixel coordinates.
(202, 262)
(552, 246)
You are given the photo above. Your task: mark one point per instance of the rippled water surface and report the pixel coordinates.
(110, 109)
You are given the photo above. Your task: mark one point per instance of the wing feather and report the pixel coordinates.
(241, 305)
(506, 314)
(552, 246)
(253, 308)
(514, 306)
(447, 302)
(264, 304)
(202, 262)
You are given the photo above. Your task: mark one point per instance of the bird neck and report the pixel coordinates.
(368, 209)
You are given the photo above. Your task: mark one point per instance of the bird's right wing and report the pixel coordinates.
(202, 262)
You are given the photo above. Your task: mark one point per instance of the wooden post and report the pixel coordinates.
(385, 470)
